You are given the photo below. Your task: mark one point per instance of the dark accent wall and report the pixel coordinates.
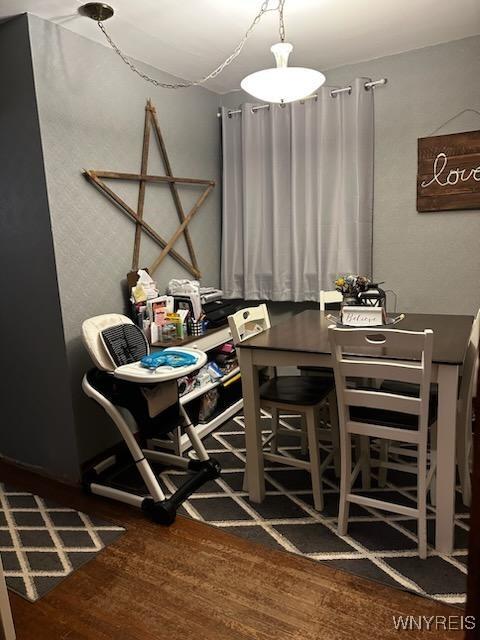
(37, 427)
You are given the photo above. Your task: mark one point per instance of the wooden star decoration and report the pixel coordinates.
(143, 178)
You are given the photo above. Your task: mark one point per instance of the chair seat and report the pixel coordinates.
(296, 390)
(323, 371)
(394, 419)
(407, 389)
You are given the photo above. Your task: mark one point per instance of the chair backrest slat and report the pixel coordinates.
(375, 338)
(384, 370)
(248, 322)
(385, 401)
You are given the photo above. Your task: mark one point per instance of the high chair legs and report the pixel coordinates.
(154, 503)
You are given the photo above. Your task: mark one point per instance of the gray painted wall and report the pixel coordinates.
(432, 260)
(91, 109)
(37, 422)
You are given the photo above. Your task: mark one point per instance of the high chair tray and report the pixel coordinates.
(135, 372)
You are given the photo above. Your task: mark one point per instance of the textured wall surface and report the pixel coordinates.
(432, 260)
(91, 109)
(37, 420)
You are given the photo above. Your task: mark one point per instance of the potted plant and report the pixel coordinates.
(350, 286)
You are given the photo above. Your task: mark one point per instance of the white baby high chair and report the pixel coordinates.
(127, 390)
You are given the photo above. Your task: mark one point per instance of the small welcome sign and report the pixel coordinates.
(449, 172)
(363, 316)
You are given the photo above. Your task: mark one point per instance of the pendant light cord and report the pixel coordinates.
(264, 8)
(281, 6)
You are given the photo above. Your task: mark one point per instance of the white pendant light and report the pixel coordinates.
(283, 83)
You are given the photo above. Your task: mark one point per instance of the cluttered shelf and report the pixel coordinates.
(185, 312)
(232, 376)
(209, 389)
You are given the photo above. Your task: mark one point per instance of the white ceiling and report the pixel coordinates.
(188, 38)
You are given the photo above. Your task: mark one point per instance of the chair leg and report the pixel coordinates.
(314, 453)
(433, 479)
(303, 436)
(463, 446)
(364, 452)
(433, 455)
(467, 484)
(177, 439)
(245, 480)
(275, 426)
(245, 476)
(382, 472)
(345, 483)
(333, 414)
(422, 501)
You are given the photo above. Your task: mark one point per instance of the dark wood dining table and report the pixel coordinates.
(303, 340)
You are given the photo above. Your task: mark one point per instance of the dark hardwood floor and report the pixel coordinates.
(195, 582)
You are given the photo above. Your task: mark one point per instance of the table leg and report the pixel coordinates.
(253, 435)
(445, 480)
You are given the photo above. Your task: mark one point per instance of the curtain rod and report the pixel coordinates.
(333, 93)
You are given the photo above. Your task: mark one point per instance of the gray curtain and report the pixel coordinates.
(297, 195)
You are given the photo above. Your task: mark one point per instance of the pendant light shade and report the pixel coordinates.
(283, 83)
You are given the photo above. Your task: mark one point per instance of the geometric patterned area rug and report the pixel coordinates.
(42, 543)
(380, 546)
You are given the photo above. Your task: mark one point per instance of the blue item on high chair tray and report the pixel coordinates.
(168, 359)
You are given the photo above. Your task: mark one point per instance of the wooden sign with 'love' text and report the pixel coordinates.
(449, 172)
